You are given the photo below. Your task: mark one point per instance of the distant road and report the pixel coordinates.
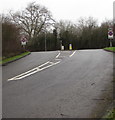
(61, 84)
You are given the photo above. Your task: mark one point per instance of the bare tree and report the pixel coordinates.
(89, 22)
(33, 19)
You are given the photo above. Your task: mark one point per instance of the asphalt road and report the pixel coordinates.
(26, 63)
(79, 85)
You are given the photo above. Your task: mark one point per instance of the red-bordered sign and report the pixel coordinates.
(24, 40)
(110, 33)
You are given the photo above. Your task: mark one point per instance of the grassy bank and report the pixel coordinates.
(6, 60)
(111, 49)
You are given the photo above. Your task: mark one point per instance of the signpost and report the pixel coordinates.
(110, 35)
(24, 41)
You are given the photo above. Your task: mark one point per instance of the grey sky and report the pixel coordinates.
(66, 9)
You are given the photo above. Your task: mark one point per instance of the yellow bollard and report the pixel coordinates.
(70, 46)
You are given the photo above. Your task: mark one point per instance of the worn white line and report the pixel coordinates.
(58, 55)
(33, 71)
(72, 54)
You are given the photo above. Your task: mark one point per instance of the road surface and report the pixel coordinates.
(59, 84)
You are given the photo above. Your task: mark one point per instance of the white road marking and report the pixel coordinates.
(72, 54)
(58, 55)
(38, 69)
(43, 64)
(57, 59)
(51, 62)
(33, 71)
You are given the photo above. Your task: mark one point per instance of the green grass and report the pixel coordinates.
(13, 58)
(112, 49)
(111, 115)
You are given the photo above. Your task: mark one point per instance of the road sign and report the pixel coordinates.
(23, 43)
(62, 47)
(23, 40)
(110, 34)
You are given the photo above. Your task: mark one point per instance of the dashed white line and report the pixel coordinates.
(72, 54)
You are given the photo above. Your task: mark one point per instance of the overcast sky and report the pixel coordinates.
(66, 9)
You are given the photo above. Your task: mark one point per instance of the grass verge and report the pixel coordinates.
(110, 115)
(111, 49)
(7, 60)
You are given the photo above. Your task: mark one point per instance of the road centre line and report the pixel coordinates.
(72, 54)
(33, 71)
